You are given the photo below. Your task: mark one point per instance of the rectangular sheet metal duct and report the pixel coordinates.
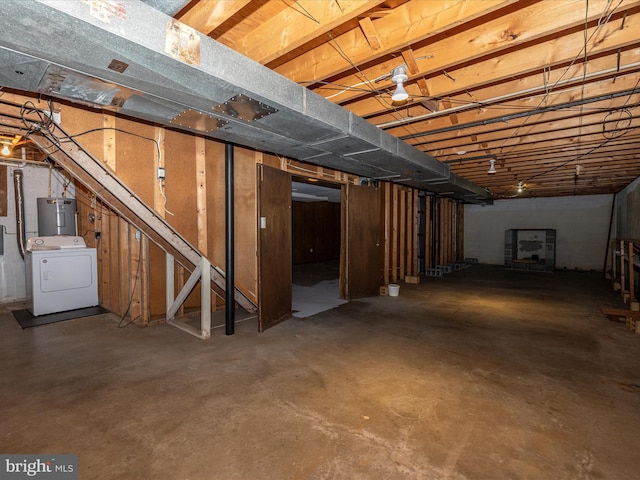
(131, 58)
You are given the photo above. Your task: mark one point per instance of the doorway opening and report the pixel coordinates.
(316, 246)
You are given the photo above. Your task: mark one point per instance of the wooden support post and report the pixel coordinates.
(134, 273)
(145, 307)
(394, 234)
(201, 194)
(403, 230)
(428, 226)
(409, 238)
(387, 225)
(632, 297)
(169, 283)
(414, 246)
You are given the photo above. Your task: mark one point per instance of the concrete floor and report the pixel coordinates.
(482, 374)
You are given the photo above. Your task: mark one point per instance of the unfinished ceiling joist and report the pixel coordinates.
(167, 72)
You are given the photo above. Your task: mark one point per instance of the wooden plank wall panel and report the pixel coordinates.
(245, 211)
(246, 240)
(316, 232)
(135, 158)
(400, 223)
(180, 184)
(181, 210)
(214, 175)
(460, 233)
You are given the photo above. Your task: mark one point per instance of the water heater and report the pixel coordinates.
(56, 216)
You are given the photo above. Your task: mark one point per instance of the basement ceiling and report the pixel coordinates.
(549, 90)
(545, 91)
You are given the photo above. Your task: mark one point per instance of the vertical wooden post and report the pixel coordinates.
(414, 247)
(125, 266)
(403, 230)
(201, 194)
(460, 257)
(409, 238)
(135, 270)
(428, 227)
(394, 234)
(387, 224)
(145, 307)
(632, 297)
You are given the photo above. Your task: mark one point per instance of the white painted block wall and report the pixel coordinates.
(581, 225)
(35, 184)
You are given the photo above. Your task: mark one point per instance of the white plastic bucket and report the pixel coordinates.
(394, 289)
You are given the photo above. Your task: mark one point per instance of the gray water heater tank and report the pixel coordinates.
(56, 216)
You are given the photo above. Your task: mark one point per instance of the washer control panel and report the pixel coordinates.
(55, 242)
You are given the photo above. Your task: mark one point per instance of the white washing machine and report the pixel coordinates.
(62, 274)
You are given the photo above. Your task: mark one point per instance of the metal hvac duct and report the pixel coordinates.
(136, 60)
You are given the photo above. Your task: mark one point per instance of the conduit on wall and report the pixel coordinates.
(19, 197)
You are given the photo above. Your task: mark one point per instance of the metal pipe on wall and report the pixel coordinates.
(229, 244)
(19, 197)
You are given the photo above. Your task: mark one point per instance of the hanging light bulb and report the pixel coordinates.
(492, 167)
(399, 76)
(520, 187)
(5, 150)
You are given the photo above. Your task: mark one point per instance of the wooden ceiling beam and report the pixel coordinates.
(485, 42)
(205, 17)
(297, 25)
(512, 88)
(511, 72)
(613, 123)
(416, 21)
(499, 115)
(479, 113)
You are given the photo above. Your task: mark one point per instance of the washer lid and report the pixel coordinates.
(55, 242)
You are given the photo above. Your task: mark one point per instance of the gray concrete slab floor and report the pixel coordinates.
(481, 374)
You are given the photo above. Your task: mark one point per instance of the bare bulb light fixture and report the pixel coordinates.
(520, 187)
(492, 167)
(399, 76)
(5, 150)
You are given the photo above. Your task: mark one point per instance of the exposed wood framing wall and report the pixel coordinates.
(402, 240)
(132, 269)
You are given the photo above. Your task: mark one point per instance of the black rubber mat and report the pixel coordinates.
(27, 320)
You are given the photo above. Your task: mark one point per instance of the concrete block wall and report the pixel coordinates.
(581, 225)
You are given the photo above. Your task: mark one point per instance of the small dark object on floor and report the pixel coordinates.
(26, 319)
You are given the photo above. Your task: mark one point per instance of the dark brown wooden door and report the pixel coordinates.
(361, 258)
(274, 246)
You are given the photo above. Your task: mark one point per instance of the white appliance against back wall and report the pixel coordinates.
(61, 274)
